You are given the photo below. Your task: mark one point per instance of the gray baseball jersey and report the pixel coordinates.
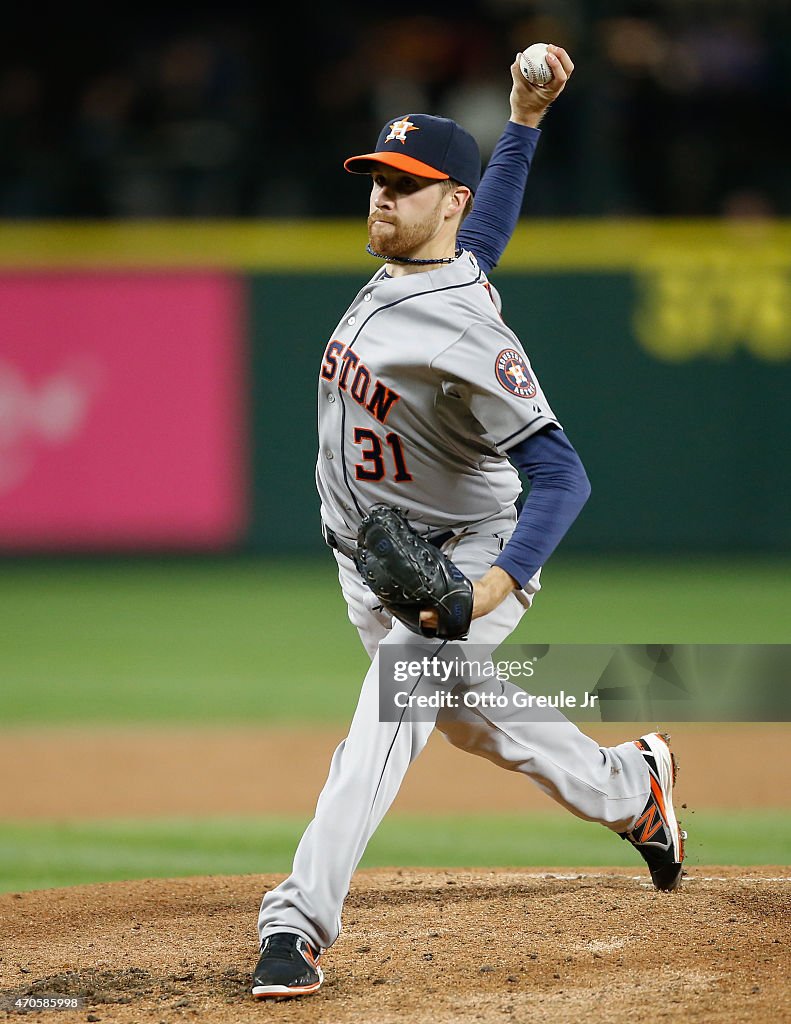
(422, 390)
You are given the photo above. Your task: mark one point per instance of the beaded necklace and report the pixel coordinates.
(409, 259)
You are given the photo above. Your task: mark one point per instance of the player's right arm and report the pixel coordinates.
(498, 201)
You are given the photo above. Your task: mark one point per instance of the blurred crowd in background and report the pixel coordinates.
(677, 107)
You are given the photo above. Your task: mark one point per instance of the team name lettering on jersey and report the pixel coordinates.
(355, 378)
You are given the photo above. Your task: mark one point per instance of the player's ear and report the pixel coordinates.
(457, 200)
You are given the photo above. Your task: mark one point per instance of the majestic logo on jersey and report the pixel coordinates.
(398, 129)
(356, 379)
(513, 374)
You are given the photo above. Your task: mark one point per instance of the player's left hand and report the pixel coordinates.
(529, 102)
(487, 594)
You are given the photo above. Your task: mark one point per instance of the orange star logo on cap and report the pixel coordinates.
(398, 129)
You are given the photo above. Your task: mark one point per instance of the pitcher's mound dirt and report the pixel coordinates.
(420, 946)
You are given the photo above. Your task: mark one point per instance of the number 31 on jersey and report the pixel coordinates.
(374, 464)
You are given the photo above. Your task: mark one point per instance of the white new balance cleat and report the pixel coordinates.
(656, 834)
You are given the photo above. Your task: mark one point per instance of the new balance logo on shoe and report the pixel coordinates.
(647, 825)
(655, 834)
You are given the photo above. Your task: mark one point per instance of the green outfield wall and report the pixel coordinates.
(664, 348)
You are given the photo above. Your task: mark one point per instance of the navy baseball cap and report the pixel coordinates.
(431, 147)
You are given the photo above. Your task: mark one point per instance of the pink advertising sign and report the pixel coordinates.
(121, 421)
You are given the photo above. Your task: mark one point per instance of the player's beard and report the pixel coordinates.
(402, 239)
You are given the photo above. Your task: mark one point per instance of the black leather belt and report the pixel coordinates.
(333, 541)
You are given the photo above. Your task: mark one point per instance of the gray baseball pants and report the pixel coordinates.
(609, 785)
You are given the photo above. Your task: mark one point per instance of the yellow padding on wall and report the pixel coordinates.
(331, 245)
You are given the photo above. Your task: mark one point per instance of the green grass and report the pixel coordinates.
(213, 640)
(269, 641)
(41, 855)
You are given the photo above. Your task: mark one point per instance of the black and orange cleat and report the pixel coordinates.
(288, 966)
(656, 834)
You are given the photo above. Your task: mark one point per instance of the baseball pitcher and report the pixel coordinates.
(428, 409)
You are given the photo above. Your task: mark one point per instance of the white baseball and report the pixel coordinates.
(533, 63)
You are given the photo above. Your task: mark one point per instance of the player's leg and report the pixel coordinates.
(289, 965)
(604, 784)
(617, 786)
(628, 787)
(365, 775)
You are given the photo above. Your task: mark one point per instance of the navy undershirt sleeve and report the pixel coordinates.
(559, 487)
(498, 200)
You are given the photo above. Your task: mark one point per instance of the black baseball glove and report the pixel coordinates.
(409, 575)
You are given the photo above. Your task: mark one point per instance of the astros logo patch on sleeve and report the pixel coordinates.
(513, 374)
